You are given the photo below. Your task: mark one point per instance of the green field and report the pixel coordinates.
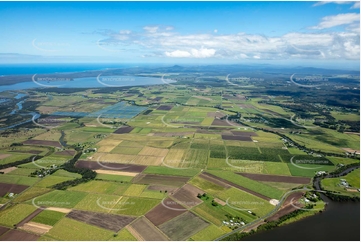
(244, 201)
(210, 233)
(206, 186)
(48, 217)
(57, 198)
(248, 183)
(100, 187)
(69, 229)
(15, 214)
(333, 184)
(21, 180)
(49, 181)
(123, 235)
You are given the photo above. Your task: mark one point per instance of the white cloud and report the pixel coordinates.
(151, 29)
(327, 2)
(215, 31)
(195, 53)
(337, 20)
(203, 53)
(356, 5)
(178, 54)
(325, 45)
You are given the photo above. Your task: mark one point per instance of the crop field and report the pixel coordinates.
(9, 158)
(248, 184)
(245, 201)
(15, 214)
(6, 188)
(49, 181)
(69, 229)
(170, 165)
(99, 187)
(189, 223)
(207, 186)
(160, 180)
(61, 199)
(48, 217)
(134, 190)
(145, 230)
(99, 202)
(165, 211)
(124, 235)
(308, 170)
(161, 170)
(20, 180)
(31, 193)
(210, 233)
(101, 220)
(134, 206)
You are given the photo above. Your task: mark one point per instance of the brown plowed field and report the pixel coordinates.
(175, 181)
(14, 188)
(18, 235)
(276, 178)
(102, 220)
(169, 189)
(239, 187)
(43, 142)
(123, 130)
(163, 213)
(3, 230)
(30, 217)
(240, 133)
(93, 165)
(236, 137)
(147, 230)
(66, 152)
(165, 107)
(187, 195)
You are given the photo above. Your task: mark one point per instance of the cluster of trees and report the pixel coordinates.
(69, 166)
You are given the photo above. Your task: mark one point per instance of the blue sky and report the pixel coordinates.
(296, 33)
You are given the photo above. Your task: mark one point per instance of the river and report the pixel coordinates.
(340, 221)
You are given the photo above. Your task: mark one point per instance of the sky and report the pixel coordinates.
(321, 34)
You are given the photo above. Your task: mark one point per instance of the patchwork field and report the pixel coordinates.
(168, 162)
(189, 223)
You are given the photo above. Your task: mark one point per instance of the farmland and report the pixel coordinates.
(193, 155)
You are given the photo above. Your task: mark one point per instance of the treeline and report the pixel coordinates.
(69, 166)
(266, 226)
(344, 168)
(341, 198)
(20, 162)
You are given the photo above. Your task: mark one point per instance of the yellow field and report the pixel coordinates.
(175, 155)
(147, 160)
(153, 151)
(109, 142)
(106, 148)
(114, 158)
